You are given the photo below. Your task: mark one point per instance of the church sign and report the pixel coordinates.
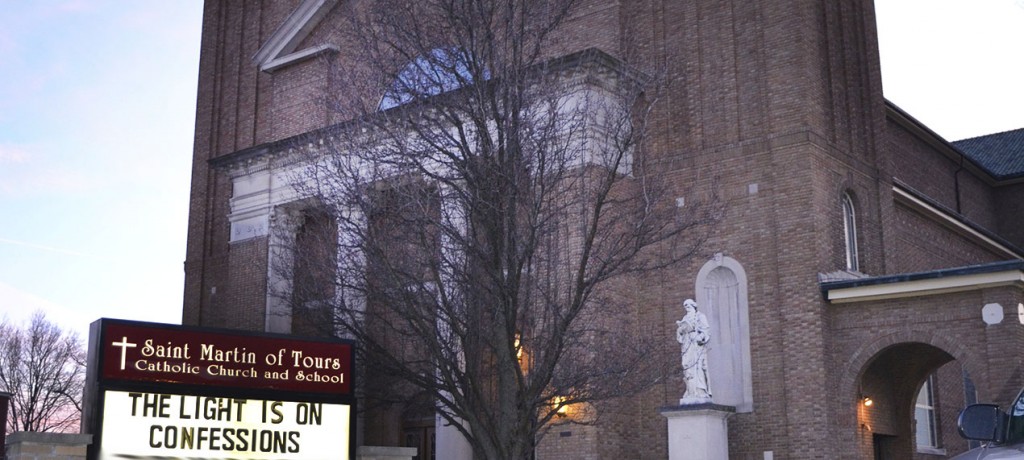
(159, 390)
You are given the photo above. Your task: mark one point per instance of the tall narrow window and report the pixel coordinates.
(924, 416)
(850, 234)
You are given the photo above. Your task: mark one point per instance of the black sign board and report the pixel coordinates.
(157, 390)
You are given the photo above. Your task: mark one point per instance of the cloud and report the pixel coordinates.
(13, 154)
(74, 6)
(17, 306)
(28, 170)
(44, 181)
(42, 247)
(7, 45)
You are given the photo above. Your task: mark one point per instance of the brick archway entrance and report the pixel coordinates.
(916, 390)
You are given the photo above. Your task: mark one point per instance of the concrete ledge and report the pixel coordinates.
(696, 407)
(25, 445)
(385, 453)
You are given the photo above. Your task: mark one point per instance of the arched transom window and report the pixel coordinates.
(439, 71)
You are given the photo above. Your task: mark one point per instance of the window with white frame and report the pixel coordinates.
(924, 416)
(850, 233)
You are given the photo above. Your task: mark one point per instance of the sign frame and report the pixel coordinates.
(99, 381)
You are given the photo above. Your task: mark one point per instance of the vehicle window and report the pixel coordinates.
(1015, 430)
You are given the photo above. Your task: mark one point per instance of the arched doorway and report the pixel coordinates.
(908, 397)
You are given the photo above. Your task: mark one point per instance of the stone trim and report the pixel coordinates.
(279, 50)
(925, 283)
(738, 389)
(26, 445)
(668, 411)
(385, 453)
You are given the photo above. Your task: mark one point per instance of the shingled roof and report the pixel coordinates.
(1001, 154)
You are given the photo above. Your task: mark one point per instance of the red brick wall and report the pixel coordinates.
(937, 172)
(949, 401)
(773, 107)
(925, 245)
(1010, 211)
(887, 348)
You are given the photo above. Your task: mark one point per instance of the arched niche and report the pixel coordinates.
(721, 291)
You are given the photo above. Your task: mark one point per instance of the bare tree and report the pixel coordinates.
(491, 215)
(43, 367)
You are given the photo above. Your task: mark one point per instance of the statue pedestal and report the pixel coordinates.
(698, 431)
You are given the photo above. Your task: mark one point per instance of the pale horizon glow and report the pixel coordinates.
(97, 110)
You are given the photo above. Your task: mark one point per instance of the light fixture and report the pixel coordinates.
(868, 402)
(561, 409)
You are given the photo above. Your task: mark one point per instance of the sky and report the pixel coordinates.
(97, 111)
(955, 65)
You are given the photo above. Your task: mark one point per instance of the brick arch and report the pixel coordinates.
(863, 357)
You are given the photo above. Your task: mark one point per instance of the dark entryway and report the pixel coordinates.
(885, 446)
(423, 439)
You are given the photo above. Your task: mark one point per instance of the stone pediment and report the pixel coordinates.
(281, 49)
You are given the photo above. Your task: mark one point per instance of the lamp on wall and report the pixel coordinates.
(561, 408)
(867, 401)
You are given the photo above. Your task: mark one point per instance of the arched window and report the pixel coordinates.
(850, 233)
(925, 419)
(439, 71)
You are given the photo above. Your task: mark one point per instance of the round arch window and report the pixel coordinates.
(439, 71)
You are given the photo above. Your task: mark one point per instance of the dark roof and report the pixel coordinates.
(1001, 154)
(991, 267)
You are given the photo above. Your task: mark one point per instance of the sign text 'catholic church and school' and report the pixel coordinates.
(172, 391)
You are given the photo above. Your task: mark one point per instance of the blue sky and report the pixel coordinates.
(97, 105)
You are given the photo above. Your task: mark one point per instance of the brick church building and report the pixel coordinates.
(860, 256)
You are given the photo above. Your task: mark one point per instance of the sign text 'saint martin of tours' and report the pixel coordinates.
(203, 358)
(189, 392)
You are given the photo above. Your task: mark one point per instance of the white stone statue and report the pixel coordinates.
(692, 335)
